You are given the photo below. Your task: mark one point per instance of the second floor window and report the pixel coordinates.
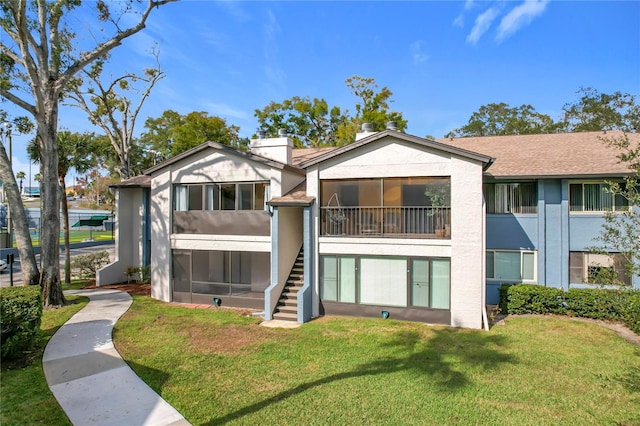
(594, 197)
(221, 196)
(518, 197)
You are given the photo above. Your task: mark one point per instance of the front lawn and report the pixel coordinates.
(25, 398)
(218, 367)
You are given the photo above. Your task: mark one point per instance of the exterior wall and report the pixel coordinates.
(467, 243)
(391, 158)
(128, 234)
(583, 229)
(160, 235)
(203, 167)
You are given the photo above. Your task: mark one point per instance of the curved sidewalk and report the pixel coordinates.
(89, 378)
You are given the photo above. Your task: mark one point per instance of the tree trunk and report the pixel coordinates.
(20, 225)
(50, 196)
(65, 224)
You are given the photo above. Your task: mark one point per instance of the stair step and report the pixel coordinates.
(286, 317)
(289, 295)
(287, 309)
(299, 283)
(287, 302)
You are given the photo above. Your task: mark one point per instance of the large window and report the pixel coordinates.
(519, 197)
(594, 197)
(386, 281)
(595, 268)
(386, 206)
(221, 196)
(517, 266)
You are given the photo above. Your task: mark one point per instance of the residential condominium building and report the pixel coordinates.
(392, 224)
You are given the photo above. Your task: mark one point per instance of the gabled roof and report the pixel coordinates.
(581, 155)
(227, 150)
(427, 143)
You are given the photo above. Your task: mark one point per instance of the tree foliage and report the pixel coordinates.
(110, 105)
(621, 231)
(172, 133)
(313, 123)
(596, 111)
(502, 119)
(39, 56)
(74, 151)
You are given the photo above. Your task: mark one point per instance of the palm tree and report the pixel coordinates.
(73, 152)
(21, 176)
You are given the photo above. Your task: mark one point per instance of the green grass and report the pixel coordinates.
(25, 398)
(76, 237)
(217, 367)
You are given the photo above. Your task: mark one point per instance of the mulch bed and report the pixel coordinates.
(132, 289)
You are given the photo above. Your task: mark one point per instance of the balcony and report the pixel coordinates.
(399, 222)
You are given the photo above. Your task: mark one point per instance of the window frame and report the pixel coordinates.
(612, 200)
(218, 203)
(521, 279)
(533, 207)
(358, 274)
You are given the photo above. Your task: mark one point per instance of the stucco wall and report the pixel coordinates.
(160, 232)
(467, 244)
(391, 158)
(128, 234)
(512, 231)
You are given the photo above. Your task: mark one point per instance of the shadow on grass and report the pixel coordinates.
(435, 358)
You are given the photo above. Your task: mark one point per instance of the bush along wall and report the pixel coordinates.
(616, 305)
(20, 314)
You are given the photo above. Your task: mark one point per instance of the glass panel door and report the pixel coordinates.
(440, 283)
(329, 285)
(420, 283)
(347, 279)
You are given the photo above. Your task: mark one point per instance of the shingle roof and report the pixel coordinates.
(296, 197)
(300, 155)
(549, 155)
(140, 181)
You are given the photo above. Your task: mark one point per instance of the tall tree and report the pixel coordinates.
(595, 111)
(19, 222)
(74, 151)
(312, 123)
(39, 60)
(502, 119)
(21, 176)
(173, 133)
(110, 106)
(621, 231)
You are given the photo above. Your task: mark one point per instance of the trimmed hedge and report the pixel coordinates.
(20, 315)
(616, 305)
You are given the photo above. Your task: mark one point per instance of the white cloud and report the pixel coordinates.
(224, 110)
(520, 16)
(417, 52)
(275, 75)
(459, 21)
(482, 24)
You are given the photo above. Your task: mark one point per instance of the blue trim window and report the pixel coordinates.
(595, 197)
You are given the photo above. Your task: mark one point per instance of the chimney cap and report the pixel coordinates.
(367, 127)
(283, 133)
(261, 134)
(391, 125)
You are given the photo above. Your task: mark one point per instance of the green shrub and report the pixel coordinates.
(88, 264)
(615, 305)
(534, 299)
(20, 315)
(145, 274)
(596, 303)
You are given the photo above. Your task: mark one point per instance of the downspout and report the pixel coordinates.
(483, 270)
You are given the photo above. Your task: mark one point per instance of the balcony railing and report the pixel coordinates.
(427, 222)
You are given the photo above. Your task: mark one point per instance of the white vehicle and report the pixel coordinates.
(3, 264)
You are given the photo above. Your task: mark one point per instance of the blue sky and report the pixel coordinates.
(442, 60)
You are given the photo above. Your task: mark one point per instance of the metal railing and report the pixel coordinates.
(427, 222)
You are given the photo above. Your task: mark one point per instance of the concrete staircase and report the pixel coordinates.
(287, 307)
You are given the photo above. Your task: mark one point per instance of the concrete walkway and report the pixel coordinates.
(92, 383)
